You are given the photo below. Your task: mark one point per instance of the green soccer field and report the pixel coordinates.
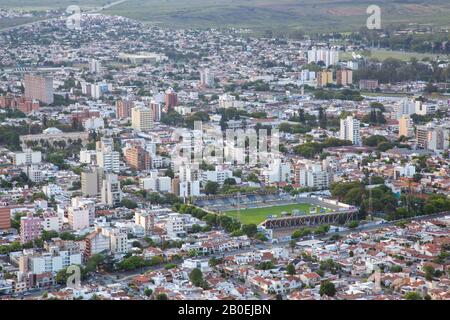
(258, 215)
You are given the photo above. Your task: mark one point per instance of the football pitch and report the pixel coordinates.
(258, 215)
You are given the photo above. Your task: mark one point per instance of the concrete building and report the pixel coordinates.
(27, 157)
(107, 159)
(91, 179)
(312, 175)
(324, 77)
(350, 130)
(123, 109)
(141, 118)
(30, 228)
(81, 213)
(206, 78)
(111, 192)
(329, 57)
(39, 88)
(5, 218)
(138, 158)
(344, 77)
(218, 175)
(405, 126)
(95, 66)
(170, 100)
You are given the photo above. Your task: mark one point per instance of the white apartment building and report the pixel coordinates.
(407, 170)
(277, 172)
(156, 183)
(313, 175)
(118, 240)
(219, 175)
(28, 157)
(329, 57)
(108, 160)
(228, 101)
(88, 156)
(111, 192)
(52, 222)
(189, 189)
(81, 213)
(175, 226)
(350, 130)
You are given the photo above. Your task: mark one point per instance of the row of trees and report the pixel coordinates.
(312, 149)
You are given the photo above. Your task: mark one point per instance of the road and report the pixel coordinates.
(92, 11)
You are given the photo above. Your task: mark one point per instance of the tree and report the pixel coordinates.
(292, 244)
(250, 229)
(290, 269)
(162, 296)
(148, 292)
(230, 181)
(327, 288)
(196, 277)
(413, 296)
(211, 187)
(130, 204)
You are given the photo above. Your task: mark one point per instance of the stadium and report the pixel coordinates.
(279, 211)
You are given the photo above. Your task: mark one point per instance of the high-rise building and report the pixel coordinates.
(141, 118)
(405, 107)
(5, 218)
(81, 213)
(311, 174)
(123, 109)
(156, 109)
(328, 56)
(433, 137)
(206, 78)
(39, 88)
(95, 66)
(350, 130)
(405, 126)
(107, 159)
(30, 228)
(111, 193)
(344, 77)
(324, 77)
(138, 158)
(170, 100)
(91, 179)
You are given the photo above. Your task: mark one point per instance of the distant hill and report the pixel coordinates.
(308, 15)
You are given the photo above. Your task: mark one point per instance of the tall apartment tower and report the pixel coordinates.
(170, 100)
(156, 109)
(39, 88)
(350, 130)
(107, 159)
(111, 193)
(405, 126)
(141, 118)
(138, 158)
(324, 77)
(30, 228)
(91, 182)
(206, 78)
(344, 77)
(123, 109)
(95, 66)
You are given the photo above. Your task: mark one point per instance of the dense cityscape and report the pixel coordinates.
(148, 163)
